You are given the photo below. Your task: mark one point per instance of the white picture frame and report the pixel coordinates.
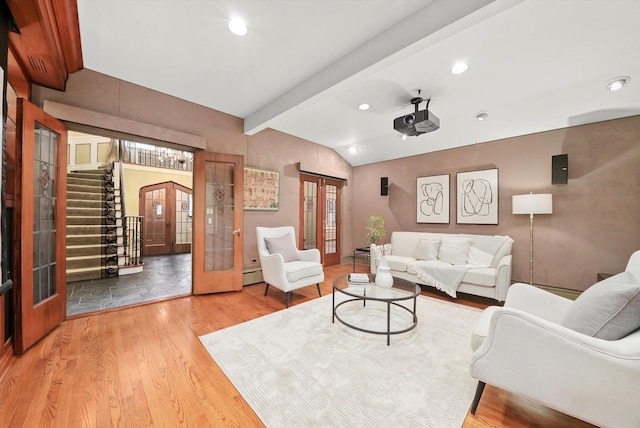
(433, 199)
(477, 197)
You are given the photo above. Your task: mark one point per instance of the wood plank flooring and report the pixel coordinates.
(145, 366)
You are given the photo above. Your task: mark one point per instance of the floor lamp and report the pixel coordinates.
(532, 204)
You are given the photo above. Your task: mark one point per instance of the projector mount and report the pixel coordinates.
(410, 118)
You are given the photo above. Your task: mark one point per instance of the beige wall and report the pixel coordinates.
(595, 225)
(136, 177)
(269, 149)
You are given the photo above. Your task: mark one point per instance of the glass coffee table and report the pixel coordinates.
(387, 302)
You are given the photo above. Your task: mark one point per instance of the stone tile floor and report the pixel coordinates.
(162, 277)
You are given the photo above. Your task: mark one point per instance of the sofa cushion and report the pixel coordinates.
(298, 269)
(609, 309)
(282, 245)
(427, 249)
(478, 257)
(481, 276)
(454, 250)
(399, 263)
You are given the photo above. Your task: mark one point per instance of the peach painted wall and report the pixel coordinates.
(268, 149)
(595, 225)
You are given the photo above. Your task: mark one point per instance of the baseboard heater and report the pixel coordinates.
(252, 275)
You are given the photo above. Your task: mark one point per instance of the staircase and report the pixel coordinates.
(92, 225)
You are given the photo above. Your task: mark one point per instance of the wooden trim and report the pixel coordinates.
(48, 45)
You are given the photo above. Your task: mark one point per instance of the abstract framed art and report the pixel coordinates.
(477, 195)
(432, 199)
(261, 189)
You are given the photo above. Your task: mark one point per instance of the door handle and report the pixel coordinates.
(236, 232)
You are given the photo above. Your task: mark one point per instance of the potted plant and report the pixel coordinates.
(375, 229)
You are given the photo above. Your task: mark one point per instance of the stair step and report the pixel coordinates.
(84, 195)
(84, 203)
(92, 229)
(73, 240)
(87, 262)
(73, 220)
(84, 250)
(84, 188)
(87, 212)
(84, 274)
(76, 181)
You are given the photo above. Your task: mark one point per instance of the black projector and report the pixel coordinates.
(419, 122)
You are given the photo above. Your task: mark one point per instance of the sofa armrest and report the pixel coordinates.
(375, 252)
(503, 277)
(591, 378)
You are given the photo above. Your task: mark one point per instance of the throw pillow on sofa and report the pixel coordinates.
(609, 309)
(454, 250)
(283, 246)
(427, 249)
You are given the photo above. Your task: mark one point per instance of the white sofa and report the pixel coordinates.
(474, 264)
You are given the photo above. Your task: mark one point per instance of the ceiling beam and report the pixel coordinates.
(399, 41)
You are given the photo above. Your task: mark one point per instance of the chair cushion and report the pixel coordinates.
(282, 245)
(298, 270)
(609, 309)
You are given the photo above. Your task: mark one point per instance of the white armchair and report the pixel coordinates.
(283, 265)
(581, 358)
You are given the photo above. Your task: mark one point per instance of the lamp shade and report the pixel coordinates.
(532, 204)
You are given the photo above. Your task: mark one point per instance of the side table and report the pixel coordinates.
(360, 251)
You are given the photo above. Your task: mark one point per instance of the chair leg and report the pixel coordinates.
(266, 289)
(476, 398)
(319, 293)
(287, 296)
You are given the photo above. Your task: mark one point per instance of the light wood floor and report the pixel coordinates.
(145, 366)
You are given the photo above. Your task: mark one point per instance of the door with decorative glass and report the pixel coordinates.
(39, 252)
(166, 208)
(320, 214)
(217, 222)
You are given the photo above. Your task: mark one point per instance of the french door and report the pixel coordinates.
(40, 267)
(217, 222)
(320, 214)
(167, 209)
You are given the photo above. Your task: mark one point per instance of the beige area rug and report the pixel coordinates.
(297, 369)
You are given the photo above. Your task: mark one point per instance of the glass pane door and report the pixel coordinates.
(217, 222)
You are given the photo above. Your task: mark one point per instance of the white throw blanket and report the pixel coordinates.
(441, 275)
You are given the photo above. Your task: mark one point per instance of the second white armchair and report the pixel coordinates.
(283, 265)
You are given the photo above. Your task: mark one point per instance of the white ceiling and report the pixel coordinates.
(306, 65)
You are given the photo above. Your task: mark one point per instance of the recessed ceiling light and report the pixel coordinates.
(482, 115)
(459, 67)
(352, 150)
(617, 83)
(238, 27)
(364, 106)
